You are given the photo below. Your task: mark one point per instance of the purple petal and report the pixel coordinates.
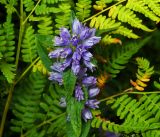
(93, 92)
(87, 56)
(58, 41)
(54, 76)
(57, 67)
(64, 33)
(66, 52)
(82, 73)
(92, 103)
(76, 27)
(67, 62)
(56, 53)
(88, 43)
(75, 40)
(76, 56)
(75, 67)
(86, 33)
(86, 114)
(89, 65)
(79, 93)
(89, 81)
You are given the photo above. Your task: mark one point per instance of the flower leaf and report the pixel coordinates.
(74, 124)
(41, 41)
(69, 80)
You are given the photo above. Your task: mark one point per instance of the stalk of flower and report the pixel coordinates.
(73, 51)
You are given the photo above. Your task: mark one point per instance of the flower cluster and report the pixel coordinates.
(73, 51)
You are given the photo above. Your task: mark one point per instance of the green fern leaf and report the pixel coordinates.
(29, 52)
(28, 4)
(83, 9)
(140, 6)
(126, 15)
(8, 71)
(122, 55)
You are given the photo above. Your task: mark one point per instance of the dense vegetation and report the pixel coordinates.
(123, 55)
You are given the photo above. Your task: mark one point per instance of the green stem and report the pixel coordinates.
(103, 11)
(31, 12)
(44, 123)
(9, 98)
(20, 34)
(116, 95)
(152, 92)
(27, 69)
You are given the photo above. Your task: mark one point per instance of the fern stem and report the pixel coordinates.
(20, 34)
(31, 11)
(116, 95)
(45, 122)
(9, 98)
(26, 70)
(154, 92)
(103, 11)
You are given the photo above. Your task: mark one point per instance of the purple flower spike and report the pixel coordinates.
(92, 103)
(76, 27)
(89, 81)
(79, 93)
(93, 92)
(56, 77)
(86, 114)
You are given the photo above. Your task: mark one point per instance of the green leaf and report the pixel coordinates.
(74, 124)
(85, 128)
(8, 71)
(41, 41)
(69, 80)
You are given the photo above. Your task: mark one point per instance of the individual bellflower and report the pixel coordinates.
(86, 114)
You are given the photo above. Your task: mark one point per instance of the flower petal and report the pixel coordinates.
(89, 65)
(66, 52)
(75, 67)
(88, 43)
(79, 95)
(92, 103)
(55, 76)
(93, 92)
(89, 81)
(86, 114)
(76, 27)
(56, 53)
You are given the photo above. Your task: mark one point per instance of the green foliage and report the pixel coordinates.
(83, 9)
(29, 46)
(121, 56)
(138, 116)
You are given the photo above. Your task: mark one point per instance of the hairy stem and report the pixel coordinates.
(31, 12)
(103, 11)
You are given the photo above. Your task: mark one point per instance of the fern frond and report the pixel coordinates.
(8, 71)
(125, 32)
(140, 6)
(154, 6)
(101, 22)
(151, 133)
(52, 1)
(40, 67)
(107, 39)
(83, 9)
(143, 75)
(28, 4)
(45, 24)
(127, 16)
(26, 104)
(63, 17)
(7, 40)
(121, 56)
(29, 52)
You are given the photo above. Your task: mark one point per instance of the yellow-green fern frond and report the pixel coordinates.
(143, 75)
(8, 71)
(29, 52)
(154, 5)
(63, 17)
(101, 22)
(127, 16)
(83, 9)
(106, 40)
(141, 7)
(28, 4)
(52, 1)
(40, 67)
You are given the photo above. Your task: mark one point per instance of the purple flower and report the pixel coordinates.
(92, 103)
(76, 27)
(79, 93)
(87, 56)
(89, 65)
(66, 52)
(55, 76)
(56, 53)
(75, 67)
(89, 81)
(93, 92)
(57, 67)
(86, 114)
